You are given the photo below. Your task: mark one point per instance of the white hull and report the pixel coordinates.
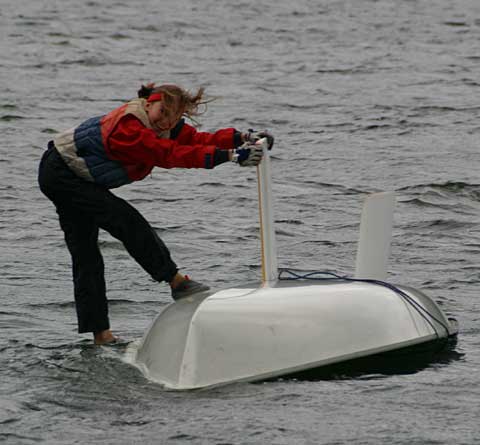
(251, 333)
(280, 327)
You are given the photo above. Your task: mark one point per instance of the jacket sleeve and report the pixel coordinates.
(226, 138)
(132, 143)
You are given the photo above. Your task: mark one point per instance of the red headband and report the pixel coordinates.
(154, 97)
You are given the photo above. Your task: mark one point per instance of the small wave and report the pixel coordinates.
(320, 242)
(338, 125)
(149, 28)
(63, 367)
(57, 34)
(441, 224)
(10, 420)
(141, 200)
(168, 228)
(80, 344)
(470, 82)
(344, 190)
(119, 36)
(448, 186)
(455, 23)
(29, 22)
(131, 422)
(377, 127)
(424, 203)
(19, 437)
(12, 314)
(97, 61)
(301, 107)
(17, 322)
(61, 305)
(289, 221)
(284, 233)
(123, 301)
(183, 436)
(279, 122)
(422, 110)
(10, 117)
(234, 43)
(61, 43)
(345, 71)
(211, 184)
(163, 199)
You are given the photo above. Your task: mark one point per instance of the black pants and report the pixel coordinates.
(83, 207)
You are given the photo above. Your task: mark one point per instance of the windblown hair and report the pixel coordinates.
(175, 96)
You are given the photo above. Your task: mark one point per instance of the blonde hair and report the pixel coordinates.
(176, 98)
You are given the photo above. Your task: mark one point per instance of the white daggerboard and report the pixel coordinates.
(375, 236)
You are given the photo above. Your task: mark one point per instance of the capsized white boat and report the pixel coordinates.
(263, 330)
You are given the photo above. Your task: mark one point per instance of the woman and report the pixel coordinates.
(82, 164)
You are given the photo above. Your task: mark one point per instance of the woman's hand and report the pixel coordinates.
(248, 155)
(253, 136)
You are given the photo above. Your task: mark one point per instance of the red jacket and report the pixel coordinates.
(139, 149)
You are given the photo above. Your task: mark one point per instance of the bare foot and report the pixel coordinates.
(103, 337)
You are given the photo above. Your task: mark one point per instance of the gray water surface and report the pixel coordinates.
(362, 96)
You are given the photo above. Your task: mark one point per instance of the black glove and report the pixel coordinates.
(253, 136)
(248, 155)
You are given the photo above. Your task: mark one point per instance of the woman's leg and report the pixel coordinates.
(81, 237)
(125, 223)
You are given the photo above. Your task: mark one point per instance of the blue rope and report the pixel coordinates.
(323, 275)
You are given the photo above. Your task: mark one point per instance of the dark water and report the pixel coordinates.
(362, 96)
